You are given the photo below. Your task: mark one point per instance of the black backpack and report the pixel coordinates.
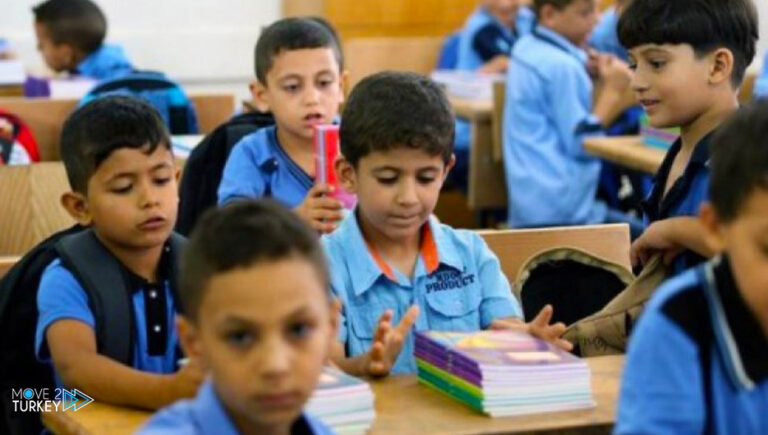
(205, 166)
(98, 272)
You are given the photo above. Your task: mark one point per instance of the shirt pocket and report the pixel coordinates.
(455, 310)
(363, 319)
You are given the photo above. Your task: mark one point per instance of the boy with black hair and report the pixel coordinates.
(299, 80)
(698, 360)
(391, 259)
(70, 36)
(258, 316)
(118, 159)
(549, 111)
(689, 58)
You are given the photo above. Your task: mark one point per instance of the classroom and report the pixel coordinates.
(384, 217)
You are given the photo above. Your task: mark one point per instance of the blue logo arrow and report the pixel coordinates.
(75, 399)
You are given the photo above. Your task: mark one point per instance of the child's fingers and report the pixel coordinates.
(564, 344)
(408, 320)
(544, 316)
(319, 214)
(327, 203)
(319, 190)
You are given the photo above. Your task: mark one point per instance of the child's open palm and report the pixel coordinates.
(388, 341)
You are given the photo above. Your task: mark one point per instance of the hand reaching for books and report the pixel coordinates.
(320, 210)
(539, 327)
(388, 341)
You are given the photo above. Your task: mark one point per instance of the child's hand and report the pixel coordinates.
(388, 341)
(593, 63)
(321, 211)
(539, 327)
(614, 72)
(496, 65)
(185, 382)
(658, 237)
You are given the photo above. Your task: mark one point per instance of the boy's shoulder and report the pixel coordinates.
(259, 145)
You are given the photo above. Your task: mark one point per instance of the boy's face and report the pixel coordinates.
(303, 89)
(745, 240)
(264, 332)
(396, 190)
(132, 198)
(504, 10)
(574, 22)
(670, 82)
(58, 57)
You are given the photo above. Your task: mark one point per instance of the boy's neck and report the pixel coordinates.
(403, 252)
(246, 426)
(299, 149)
(141, 261)
(708, 121)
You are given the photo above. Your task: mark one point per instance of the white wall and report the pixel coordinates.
(204, 44)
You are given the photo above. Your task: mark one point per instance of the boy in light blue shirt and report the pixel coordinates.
(264, 345)
(393, 265)
(299, 79)
(551, 180)
(605, 36)
(698, 359)
(70, 36)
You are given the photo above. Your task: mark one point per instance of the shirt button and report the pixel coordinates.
(157, 328)
(152, 294)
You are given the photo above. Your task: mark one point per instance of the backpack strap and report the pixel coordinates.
(103, 280)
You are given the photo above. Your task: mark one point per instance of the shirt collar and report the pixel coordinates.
(137, 283)
(105, 57)
(656, 204)
(366, 266)
(210, 415)
(550, 36)
(270, 160)
(739, 336)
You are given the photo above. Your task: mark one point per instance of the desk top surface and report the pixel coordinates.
(629, 151)
(402, 407)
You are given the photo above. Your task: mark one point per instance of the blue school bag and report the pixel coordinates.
(165, 95)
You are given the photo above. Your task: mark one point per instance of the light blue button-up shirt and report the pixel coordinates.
(605, 36)
(107, 62)
(205, 415)
(551, 180)
(461, 288)
(259, 167)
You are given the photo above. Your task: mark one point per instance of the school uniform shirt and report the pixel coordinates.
(259, 167)
(107, 62)
(457, 283)
(761, 83)
(605, 36)
(60, 296)
(698, 360)
(686, 195)
(205, 415)
(551, 180)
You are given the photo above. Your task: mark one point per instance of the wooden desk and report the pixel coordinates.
(627, 151)
(404, 407)
(487, 185)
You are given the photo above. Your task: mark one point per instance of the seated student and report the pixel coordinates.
(299, 80)
(391, 258)
(265, 345)
(486, 40)
(605, 36)
(689, 58)
(551, 180)
(118, 159)
(698, 360)
(70, 36)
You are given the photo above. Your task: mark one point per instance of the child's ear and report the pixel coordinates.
(189, 338)
(77, 206)
(451, 163)
(260, 96)
(721, 67)
(547, 14)
(713, 225)
(347, 175)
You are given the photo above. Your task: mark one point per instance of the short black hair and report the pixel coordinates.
(705, 25)
(104, 125)
(739, 162)
(79, 23)
(239, 235)
(538, 5)
(293, 34)
(390, 110)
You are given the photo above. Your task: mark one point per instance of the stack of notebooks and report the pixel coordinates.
(502, 373)
(343, 403)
